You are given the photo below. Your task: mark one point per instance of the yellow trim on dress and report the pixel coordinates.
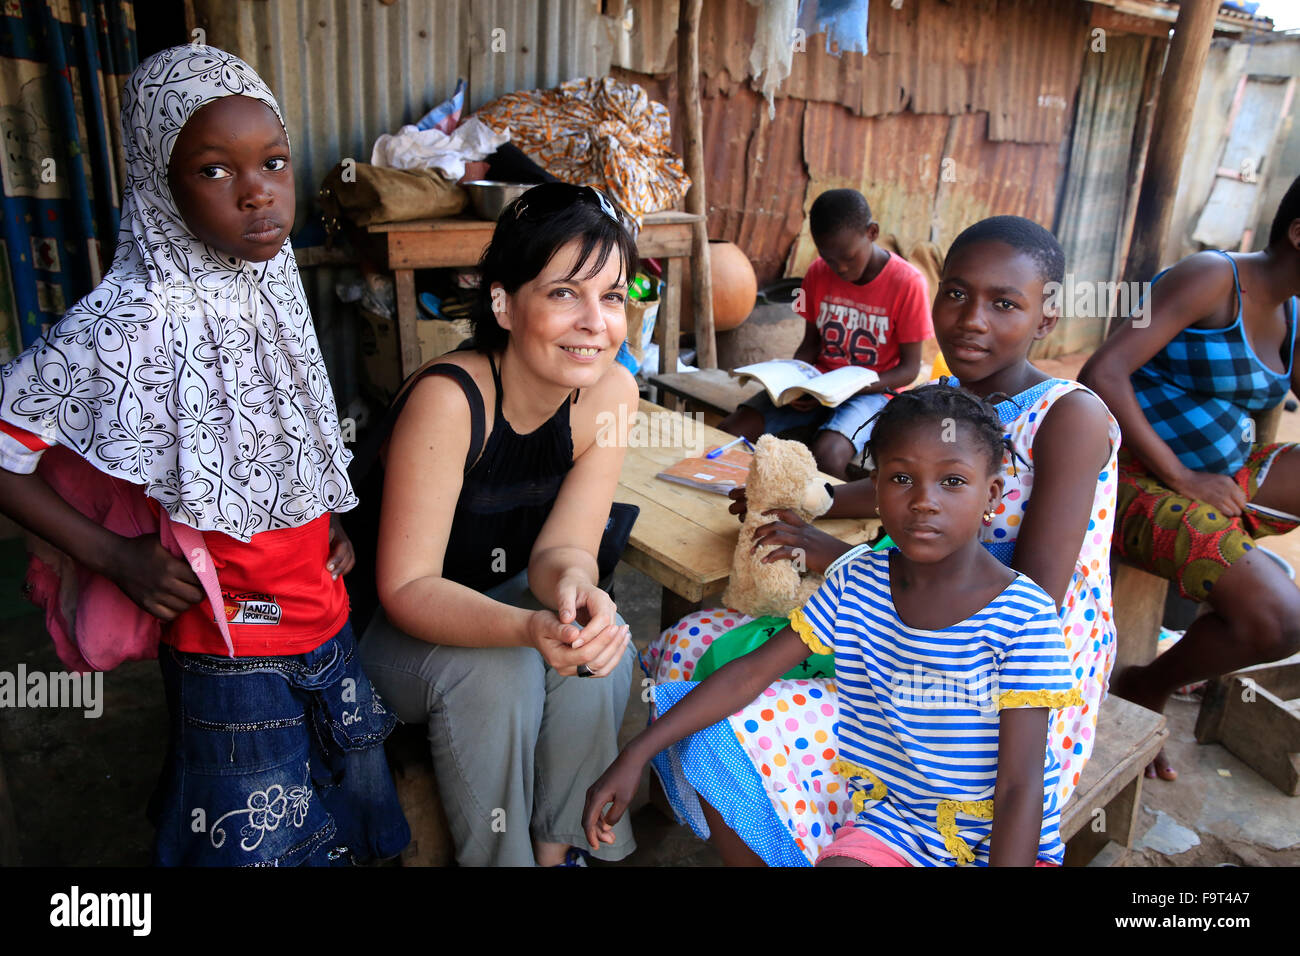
(946, 820)
(1055, 699)
(860, 797)
(799, 624)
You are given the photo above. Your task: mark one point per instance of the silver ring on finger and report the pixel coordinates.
(585, 671)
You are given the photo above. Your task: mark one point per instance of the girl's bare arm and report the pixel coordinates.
(157, 581)
(723, 693)
(422, 483)
(1018, 793)
(1198, 288)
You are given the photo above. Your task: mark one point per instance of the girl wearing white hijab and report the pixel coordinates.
(192, 375)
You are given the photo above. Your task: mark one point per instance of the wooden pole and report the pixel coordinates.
(1173, 119)
(688, 81)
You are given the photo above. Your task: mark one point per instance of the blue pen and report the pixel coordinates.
(731, 444)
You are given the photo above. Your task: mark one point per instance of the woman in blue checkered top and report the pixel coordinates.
(1216, 346)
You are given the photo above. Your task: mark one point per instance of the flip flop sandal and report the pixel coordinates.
(574, 857)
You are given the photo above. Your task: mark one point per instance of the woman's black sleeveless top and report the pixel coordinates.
(507, 493)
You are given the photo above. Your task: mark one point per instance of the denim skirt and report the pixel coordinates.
(275, 761)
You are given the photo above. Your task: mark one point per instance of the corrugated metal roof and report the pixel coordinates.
(1228, 19)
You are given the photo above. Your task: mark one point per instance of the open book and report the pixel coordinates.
(788, 379)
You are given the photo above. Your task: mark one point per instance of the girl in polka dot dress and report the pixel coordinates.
(989, 310)
(948, 666)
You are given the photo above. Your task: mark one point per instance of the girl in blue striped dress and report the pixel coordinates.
(948, 665)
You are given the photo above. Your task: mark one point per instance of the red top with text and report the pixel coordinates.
(865, 324)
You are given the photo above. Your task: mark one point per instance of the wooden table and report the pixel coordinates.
(685, 538)
(404, 247)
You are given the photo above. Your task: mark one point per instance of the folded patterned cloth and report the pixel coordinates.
(599, 133)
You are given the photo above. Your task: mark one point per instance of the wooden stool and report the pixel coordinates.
(1138, 604)
(1097, 824)
(1255, 713)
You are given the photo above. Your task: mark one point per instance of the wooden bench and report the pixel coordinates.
(1097, 824)
(711, 390)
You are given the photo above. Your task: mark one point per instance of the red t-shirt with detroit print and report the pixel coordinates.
(865, 324)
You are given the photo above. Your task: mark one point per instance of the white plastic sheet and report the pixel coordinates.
(413, 148)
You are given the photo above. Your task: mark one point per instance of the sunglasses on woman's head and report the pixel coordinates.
(549, 198)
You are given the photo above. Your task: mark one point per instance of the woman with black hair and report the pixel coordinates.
(498, 481)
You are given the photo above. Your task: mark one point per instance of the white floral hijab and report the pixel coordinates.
(191, 373)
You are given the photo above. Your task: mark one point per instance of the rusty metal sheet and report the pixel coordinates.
(1017, 60)
(892, 160)
(754, 168)
(755, 176)
(645, 34)
(926, 177)
(992, 179)
(1027, 79)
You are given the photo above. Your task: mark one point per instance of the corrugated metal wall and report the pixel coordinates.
(987, 84)
(1096, 193)
(1017, 60)
(346, 71)
(963, 109)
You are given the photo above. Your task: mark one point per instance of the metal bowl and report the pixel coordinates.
(489, 197)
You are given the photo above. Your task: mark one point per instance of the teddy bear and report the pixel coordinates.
(783, 475)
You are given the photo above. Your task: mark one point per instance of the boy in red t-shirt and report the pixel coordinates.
(863, 307)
